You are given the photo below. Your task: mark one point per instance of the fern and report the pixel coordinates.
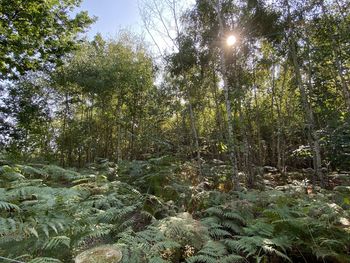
(32, 172)
(214, 252)
(223, 222)
(8, 206)
(7, 227)
(55, 242)
(157, 260)
(45, 260)
(42, 216)
(57, 173)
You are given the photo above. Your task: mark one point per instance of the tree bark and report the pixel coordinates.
(230, 137)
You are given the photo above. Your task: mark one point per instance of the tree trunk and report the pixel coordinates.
(273, 139)
(280, 165)
(230, 137)
(309, 116)
(196, 140)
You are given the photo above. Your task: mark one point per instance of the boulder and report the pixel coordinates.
(101, 254)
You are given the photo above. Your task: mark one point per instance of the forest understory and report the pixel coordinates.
(158, 211)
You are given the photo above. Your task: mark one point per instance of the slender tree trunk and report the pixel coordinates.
(245, 160)
(230, 137)
(261, 158)
(196, 140)
(119, 132)
(279, 125)
(175, 41)
(309, 116)
(218, 109)
(273, 126)
(314, 136)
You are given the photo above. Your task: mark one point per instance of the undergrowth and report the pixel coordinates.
(154, 213)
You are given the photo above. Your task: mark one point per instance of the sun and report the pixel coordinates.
(231, 40)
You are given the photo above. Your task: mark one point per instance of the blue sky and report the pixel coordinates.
(113, 15)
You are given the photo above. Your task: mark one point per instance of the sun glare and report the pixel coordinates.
(231, 40)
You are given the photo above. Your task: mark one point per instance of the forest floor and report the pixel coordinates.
(157, 211)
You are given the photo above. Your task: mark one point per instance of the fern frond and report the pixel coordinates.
(259, 228)
(157, 260)
(218, 211)
(234, 215)
(55, 242)
(211, 253)
(7, 226)
(115, 214)
(8, 206)
(232, 259)
(232, 226)
(45, 260)
(31, 171)
(269, 249)
(167, 244)
(218, 233)
(201, 259)
(247, 245)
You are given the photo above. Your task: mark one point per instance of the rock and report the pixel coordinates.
(101, 254)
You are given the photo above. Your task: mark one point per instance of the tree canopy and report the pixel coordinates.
(35, 33)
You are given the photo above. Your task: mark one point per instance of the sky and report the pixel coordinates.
(113, 16)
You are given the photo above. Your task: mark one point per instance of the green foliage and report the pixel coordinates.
(44, 219)
(35, 33)
(170, 240)
(44, 260)
(337, 142)
(50, 209)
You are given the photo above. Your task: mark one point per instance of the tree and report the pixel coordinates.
(230, 133)
(35, 33)
(28, 116)
(103, 99)
(162, 21)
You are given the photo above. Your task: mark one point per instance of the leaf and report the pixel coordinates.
(33, 231)
(57, 241)
(8, 206)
